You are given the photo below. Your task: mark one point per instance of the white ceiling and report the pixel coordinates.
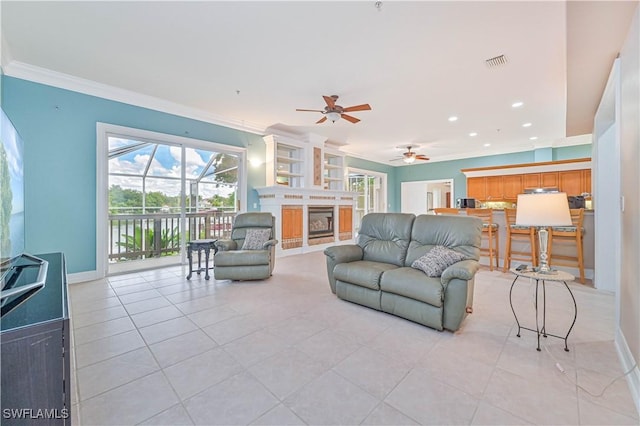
(415, 63)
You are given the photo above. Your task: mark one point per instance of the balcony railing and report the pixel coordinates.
(140, 236)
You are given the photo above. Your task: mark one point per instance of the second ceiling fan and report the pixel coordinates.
(410, 156)
(334, 112)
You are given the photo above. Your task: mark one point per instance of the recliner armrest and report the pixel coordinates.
(226, 245)
(269, 243)
(345, 253)
(464, 270)
(340, 254)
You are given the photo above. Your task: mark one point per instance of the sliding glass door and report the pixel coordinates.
(371, 188)
(162, 194)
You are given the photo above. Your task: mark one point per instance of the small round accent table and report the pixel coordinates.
(200, 245)
(558, 276)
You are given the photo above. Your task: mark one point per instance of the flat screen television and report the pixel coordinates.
(11, 190)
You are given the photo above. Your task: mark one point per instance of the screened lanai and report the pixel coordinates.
(162, 195)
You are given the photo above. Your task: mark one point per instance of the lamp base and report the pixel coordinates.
(544, 268)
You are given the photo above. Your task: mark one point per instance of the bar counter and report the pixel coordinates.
(563, 247)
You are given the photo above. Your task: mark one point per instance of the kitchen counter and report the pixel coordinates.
(559, 248)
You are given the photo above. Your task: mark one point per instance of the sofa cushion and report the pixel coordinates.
(255, 238)
(384, 237)
(460, 233)
(414, 284)
(437, 260)
(362, 272)
(242, 258)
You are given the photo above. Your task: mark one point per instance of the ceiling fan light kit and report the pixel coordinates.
(335, 112)
(333, 116)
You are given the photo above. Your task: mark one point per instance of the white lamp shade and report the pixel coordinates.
(548, 209)
(333, 116)
(409, 159)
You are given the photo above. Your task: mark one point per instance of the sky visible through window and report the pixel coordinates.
(129, 159)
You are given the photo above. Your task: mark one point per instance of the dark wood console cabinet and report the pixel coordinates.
(36, 387)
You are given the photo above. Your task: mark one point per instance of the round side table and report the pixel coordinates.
(558, 276)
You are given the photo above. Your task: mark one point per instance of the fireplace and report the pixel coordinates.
(320, 221)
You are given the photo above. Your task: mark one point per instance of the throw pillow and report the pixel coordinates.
(437, 260)
(255, 238)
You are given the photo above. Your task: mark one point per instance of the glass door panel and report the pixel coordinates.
(162, 195)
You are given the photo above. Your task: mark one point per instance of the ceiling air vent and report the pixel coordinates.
(496, 61)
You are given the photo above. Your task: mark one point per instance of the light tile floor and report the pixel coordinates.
(154, 348)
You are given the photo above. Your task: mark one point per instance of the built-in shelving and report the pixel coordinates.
(305, 162)
(333, 171)
(285, 162)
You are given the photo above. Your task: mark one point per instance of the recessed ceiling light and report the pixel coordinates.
(486, 144)
(517, 104)
(533, 138)
(526, 125)
(472, 134)
(453, 118)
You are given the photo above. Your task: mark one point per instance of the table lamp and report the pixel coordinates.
(543, 210)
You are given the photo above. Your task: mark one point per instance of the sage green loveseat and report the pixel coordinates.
(376, 272)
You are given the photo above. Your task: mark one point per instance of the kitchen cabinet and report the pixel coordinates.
(507, 187)
(531, 180)
(512, 186)
(504, 183)
(586, 181)
(571, 182)
(549, 180)
(495, 188)
(575, 182)
(476, 188)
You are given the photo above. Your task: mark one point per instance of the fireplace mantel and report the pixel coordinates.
(290, 207)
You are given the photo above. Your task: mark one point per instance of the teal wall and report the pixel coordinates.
(59, 132)
(570, 152)
(451, 169)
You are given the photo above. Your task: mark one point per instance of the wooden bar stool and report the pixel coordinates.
(489, 229)
(445, 210)
(571, 234)
(518, 233)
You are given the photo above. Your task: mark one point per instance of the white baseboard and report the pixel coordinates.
(80, 277)
(627, 360)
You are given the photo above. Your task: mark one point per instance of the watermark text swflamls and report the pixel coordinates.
(34, 414)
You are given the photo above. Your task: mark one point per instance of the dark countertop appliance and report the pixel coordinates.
(466, 203)
(576, 202)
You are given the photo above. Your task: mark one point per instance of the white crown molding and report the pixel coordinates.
(88, 87)
(5, 52)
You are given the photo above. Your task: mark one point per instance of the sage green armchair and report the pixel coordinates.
(250, 253)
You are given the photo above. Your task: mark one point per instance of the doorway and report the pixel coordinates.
(423, 196)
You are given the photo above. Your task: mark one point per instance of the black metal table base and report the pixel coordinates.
(199, 246)
(543, 331)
